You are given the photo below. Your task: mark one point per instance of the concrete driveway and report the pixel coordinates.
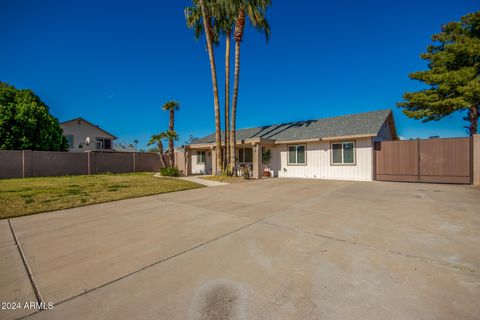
(271, 249)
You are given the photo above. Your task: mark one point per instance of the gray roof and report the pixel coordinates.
(347, 125)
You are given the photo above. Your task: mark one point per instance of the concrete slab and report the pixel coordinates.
(271, 249)
(6, 238)
(15, 286)
(75, 251)
(266, 272)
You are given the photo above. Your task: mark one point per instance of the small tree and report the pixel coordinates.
(26, 123)
(158, 140)
(453, 76)
(171, 107)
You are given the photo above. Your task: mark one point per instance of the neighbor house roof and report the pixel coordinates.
(93, 125)
(360, 124)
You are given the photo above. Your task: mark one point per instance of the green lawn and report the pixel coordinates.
(32, 195)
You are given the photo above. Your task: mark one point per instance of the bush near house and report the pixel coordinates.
(170, 172)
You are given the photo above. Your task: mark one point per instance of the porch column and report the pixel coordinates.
(214, 160)
(188, 161)
(257, 161)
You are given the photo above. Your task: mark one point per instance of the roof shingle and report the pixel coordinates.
(347, 125)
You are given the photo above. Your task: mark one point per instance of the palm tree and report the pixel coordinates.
(135, 142)
(171, 106)
(255, 11)
(209, 35)
(171, 135)
(224, 22)
(158, 140)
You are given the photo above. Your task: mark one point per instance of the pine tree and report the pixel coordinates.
(453, 76)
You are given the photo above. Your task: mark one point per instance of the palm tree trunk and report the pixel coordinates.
(233, 138)
(171, 152)
(171, 149)
(473, 114)
(238, 35)
(218, 132)
(227, 102)
(160, 150)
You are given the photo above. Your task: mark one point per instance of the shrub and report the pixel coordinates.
(170, 172)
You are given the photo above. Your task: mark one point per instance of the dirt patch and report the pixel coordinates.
(218, 300)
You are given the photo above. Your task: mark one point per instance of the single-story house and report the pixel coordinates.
(331, 148)
(78, 130)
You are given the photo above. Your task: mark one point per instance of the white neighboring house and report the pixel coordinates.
(331, 148)
(77, 130)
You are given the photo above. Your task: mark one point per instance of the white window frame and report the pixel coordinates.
(70, 145)
(296, 163)
(354, 163)
(199, 157)
(102, 141)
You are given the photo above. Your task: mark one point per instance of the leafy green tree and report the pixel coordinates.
(453, 76)
(26, 123)
(171, 107)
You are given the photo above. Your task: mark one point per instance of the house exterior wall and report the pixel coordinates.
(318, 158)
(201, 168)
(80, 130)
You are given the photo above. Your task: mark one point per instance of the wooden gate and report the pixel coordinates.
(433, 160)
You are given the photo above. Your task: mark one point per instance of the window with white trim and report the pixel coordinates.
(70, 140)
(296, 154)
(343, 152)
(103, 143)
(201, 156)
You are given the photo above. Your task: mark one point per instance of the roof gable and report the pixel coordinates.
(90, 124)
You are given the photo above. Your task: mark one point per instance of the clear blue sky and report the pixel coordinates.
(116, 62)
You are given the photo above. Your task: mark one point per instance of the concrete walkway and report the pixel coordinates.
(197, 179)
(272, 249)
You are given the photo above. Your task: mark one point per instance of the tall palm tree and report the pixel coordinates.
(171, 107)
(158, 140)
(224, 22)
(135, 142)
(255, 11)
(207, 27)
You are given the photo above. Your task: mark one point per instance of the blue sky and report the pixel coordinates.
(116, 62)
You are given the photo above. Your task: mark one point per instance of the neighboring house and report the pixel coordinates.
(330, 148)
(77, 130)
(120, 147)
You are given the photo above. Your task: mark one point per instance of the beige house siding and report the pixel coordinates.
(318, 158)
(201, 168)
(80, 130)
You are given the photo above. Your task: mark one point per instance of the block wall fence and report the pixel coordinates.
(26, 163)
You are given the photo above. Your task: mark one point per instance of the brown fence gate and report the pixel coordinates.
(445, 160)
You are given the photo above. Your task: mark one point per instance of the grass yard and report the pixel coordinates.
(20, 197)
(226, 179)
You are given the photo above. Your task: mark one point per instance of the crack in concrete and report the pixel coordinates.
(27, 267)
(398, 253)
